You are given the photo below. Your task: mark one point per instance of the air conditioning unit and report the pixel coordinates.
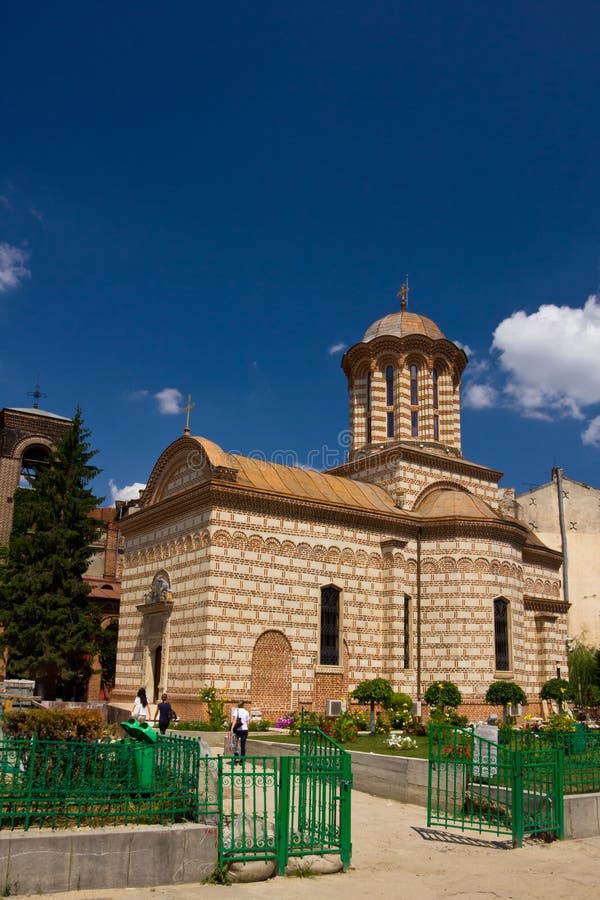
(334, 708)
(515, 710)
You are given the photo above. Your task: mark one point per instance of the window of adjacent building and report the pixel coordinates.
(501, 635)
(406, 612)
(434, 382)
(330, 626)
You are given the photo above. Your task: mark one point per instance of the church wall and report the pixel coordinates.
(243, 580)
(399, 474)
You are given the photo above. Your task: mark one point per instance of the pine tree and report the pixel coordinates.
(51, 625)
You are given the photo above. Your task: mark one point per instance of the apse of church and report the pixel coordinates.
(288, 586)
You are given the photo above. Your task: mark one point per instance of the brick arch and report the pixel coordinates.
(271, 688)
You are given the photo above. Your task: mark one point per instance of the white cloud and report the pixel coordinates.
(591, 435)
(37, 214)
(464, 347)
(12, 267)
(129, 492)
(5, 202)
(336, 348)
(169, 401)
(137, 395)
(480, 396)
(551, 359)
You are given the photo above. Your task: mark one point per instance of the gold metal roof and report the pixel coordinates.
(401, 324)
(301, 484)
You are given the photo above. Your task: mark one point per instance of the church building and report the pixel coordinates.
(287, 587)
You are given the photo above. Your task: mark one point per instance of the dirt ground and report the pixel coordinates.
(396, 855)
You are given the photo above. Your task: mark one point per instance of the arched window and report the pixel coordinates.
(501, 635)
(434, 384)
(329, 654)
(389, 400)
(34, 458)
(368, 404)
(414, 386)
(406, 648)
(436, 427)
(389, 386)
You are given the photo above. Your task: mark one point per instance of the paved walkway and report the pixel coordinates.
(395, 855)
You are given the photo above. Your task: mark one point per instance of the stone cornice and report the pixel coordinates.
(542, 604)
(400, 527)
(219, 493)
(543, 556)
(428, 347)
(409, 452)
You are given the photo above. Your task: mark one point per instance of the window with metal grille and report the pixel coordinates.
(501, 635)
(406, 632)
(330, 626)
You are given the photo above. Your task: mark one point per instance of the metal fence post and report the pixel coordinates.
(517, 798)
(559, 793)
(346, 811)
(283, 824)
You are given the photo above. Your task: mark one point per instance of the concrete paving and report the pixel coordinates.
(396, 855)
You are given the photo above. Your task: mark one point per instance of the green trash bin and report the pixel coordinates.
(143, 751)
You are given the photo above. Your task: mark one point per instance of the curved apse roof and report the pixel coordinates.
(445, 503)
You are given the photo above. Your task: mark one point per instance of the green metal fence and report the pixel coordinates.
(275, 808)
(61, 784)
(580, 750)
(476, 784)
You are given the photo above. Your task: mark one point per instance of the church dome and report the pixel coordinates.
(401, 324)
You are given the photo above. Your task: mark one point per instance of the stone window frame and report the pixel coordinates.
(330, 667)
(503, 672)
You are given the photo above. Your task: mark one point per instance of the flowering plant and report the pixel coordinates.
(400, 741)
(456, 751)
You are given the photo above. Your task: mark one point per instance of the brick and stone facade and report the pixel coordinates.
(286, 587)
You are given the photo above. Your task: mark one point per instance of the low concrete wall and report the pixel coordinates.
(45, 862)
(582, 815)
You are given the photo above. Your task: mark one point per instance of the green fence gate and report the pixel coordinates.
(273, 808)
(478, 785)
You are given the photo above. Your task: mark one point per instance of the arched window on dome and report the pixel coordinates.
(389, 386)
(501, 635)
(368, 405)
(434, 385)
(414, 386)
(329, 643)
(436, 427)
(389, 400)
(414, 401)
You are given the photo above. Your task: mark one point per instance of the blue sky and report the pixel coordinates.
(217, 200)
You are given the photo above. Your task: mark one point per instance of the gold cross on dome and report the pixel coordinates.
(403, 294)
(187, 409)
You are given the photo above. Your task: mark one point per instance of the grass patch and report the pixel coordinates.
(365, 743)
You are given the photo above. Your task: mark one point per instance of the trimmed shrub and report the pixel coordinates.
(56, 724)
(443, 694)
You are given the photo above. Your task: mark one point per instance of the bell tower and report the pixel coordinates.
(27, 436)
(404, 384)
